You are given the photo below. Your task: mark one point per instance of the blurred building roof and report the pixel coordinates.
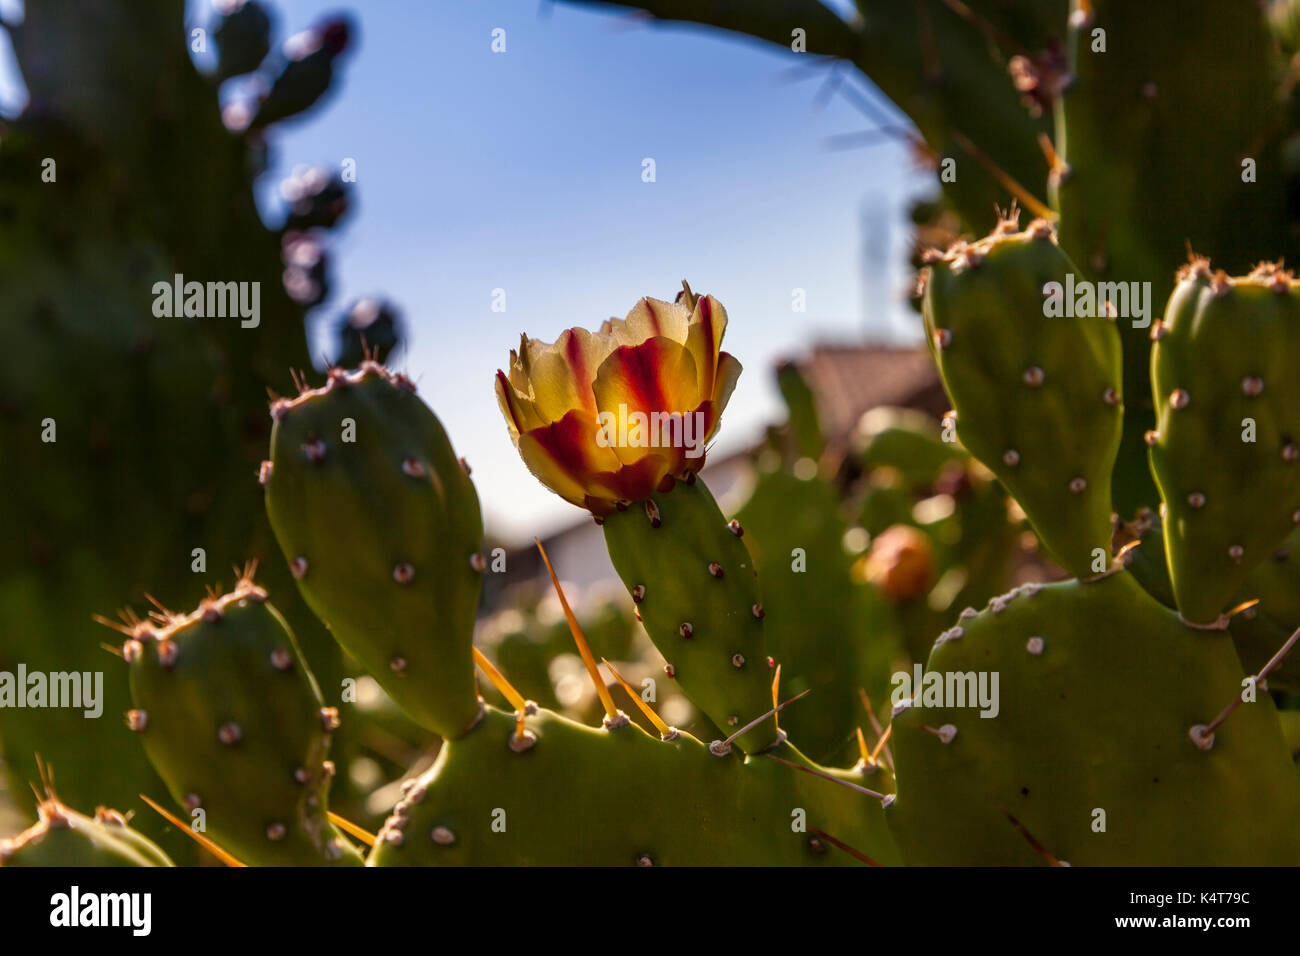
(848, 380)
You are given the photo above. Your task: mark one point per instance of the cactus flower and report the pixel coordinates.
(607, 418)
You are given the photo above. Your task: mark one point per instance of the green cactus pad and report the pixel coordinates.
(641, 800)
(828, 633)
(1226, 449)
(1276, 583)
(1260, 630)
(695, 585)
(804, 423)
(233, 722)
(63, 837)
(1257, 631)
(1099, 689)
(1037, 396)
(906, 440)
(1137, 180)
(381, 526)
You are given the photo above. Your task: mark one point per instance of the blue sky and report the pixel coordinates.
(522, 171)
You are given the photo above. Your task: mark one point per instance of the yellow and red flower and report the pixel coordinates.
(567, 404)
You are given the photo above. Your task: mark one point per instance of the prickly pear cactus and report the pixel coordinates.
(1097, 741)
(1122, 716)
(693, 581)
(234, 723)
(491, 800)
(1222, 370)
(121, 173)
(1036, 388)
(63, 837)
(403, 547)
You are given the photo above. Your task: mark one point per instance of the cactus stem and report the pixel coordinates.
(207, 843)
(601, 690)
(665, 732)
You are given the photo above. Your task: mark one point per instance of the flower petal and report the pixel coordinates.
(561, 374)
(565, 456)
(654, 378)
(729, 369)
(704, 339)
(518, 409)
(652, 318)
(638, 480)
(607, 417)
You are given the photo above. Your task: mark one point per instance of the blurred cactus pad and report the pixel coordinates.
(1050, 627)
